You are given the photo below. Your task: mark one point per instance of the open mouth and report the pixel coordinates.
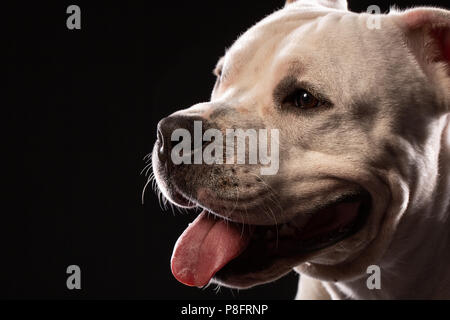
(214, 247)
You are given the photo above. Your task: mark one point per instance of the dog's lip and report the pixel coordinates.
(181, 200)
(256, 265)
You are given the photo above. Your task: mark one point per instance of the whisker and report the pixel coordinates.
(276, 226)
(269, 189)
(148, 156)
(217, 289)
(143, 190)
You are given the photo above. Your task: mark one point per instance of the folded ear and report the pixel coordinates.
(427, 32)
(335, 4)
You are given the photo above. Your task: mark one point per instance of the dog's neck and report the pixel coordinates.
(417, 262)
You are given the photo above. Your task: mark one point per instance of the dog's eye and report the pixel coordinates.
(304, 100)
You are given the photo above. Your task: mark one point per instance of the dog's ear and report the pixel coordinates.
(336, 4)
(427, 34)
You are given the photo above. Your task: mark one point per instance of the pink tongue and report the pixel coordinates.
(204, 248)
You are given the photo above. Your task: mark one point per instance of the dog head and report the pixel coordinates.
(346, 109)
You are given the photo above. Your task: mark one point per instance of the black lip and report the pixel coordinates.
(182, 200)
(255, 259)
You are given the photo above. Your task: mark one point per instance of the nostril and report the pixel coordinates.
(159, 137)
(166, 128)
(161, 144)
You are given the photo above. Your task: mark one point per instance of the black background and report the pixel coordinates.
(81, 115)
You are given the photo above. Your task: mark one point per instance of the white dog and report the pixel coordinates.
(362, 110)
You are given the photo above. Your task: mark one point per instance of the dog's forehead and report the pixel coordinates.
(311, 40)
(270, 31)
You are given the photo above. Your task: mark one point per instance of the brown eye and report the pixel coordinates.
(305, 100)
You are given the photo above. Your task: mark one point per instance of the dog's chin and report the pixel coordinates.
(272, 251)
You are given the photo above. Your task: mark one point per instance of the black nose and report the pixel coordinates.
(168, 125)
